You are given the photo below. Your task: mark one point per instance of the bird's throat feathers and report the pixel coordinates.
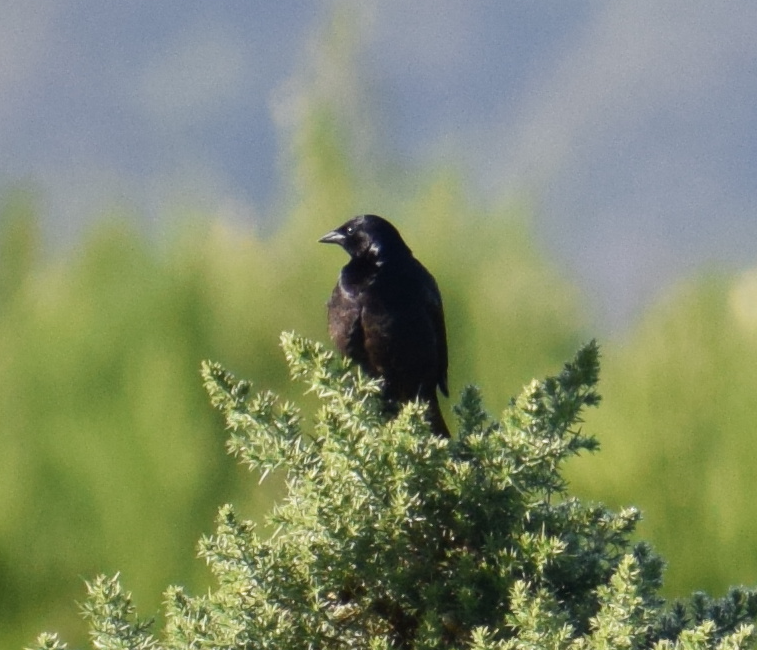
(359, 273)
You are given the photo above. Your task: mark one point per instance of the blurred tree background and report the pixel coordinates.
(112, 459)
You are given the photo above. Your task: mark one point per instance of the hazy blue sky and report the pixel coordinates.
(633, 123)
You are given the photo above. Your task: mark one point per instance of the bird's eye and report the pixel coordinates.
(350, 230)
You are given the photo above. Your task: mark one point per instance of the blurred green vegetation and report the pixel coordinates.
(112, 459)
(678, 427)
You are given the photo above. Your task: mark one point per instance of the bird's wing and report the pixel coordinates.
(345, 326)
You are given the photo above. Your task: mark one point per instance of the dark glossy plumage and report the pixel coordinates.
(386, 314)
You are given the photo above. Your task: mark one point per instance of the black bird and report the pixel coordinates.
(386, 314)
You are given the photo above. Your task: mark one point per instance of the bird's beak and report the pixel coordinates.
(333, 237)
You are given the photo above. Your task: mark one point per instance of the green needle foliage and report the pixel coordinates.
(390, 537)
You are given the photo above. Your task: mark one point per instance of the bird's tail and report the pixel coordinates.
(436, 420)
(433, 414)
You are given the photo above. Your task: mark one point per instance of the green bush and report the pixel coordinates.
(391, 537)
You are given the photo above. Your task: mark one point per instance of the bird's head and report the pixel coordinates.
(366, 237)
